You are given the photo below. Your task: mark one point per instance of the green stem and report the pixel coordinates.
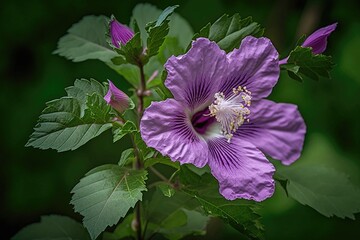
(138, 162)
(157, 173)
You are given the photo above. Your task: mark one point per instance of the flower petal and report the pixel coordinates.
(194, 77)
(166, 127)
(254, 65)
(318, 40)
(277, 129)
(241, 169)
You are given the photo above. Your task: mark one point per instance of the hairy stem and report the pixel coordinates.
(138, 162)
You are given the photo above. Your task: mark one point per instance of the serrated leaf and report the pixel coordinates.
(303, 63)
(158, 31)
(180, 29)
(62, 127)
(86, 40)
(53, 227)
(324, 189)
(121, 131)
(106, 194)
(132, 50)
(241, 214)
(70, 122)
(228, 32)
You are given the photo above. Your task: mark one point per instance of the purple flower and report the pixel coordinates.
(317, 40)
(116, 98)
(218, 116)
(119, 33)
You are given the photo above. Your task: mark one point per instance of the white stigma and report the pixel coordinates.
(232, 111)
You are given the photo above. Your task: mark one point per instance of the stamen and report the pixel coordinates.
(231, 112)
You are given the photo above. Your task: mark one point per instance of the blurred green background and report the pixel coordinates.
(36, 182)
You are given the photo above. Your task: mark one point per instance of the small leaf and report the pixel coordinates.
(127, 156)
(165, 14)
(326, 190)
(53, 227)
(166, 189)
(70, 122)
(158, 31)
(120, 131)
(228, 32)
(106, 194)
(180, 29)
(86, 40)
(303, 63)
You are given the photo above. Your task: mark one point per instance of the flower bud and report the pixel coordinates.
(318, 40)
(117, 98)
(119, 33)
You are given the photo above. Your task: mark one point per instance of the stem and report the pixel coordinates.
(141, 91)
(138, 162)
(157, 173)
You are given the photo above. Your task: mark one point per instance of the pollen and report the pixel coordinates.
(231, 111)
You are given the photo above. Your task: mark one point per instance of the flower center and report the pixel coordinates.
(232, 111)
(202, 120)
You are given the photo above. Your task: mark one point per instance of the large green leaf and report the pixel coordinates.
(324, 189)
(229, 31)
(106, 194)
(70, 122)
(86, 40)
(241, 214)
(53, 227)
(303, 63)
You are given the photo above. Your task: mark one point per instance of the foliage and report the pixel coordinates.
(182, 203)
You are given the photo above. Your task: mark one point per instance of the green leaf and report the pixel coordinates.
(70, 122)
(145, 13)
(303, 63)
(324, 189)
(166, 189)
(132, 50)
(158, 31)
(106, 194)
(127, 156)
(241, 214)
(53, 227)
(165, 14)
(228, 32)
(161, 160)
(175, 218)
(123, 230)
(86, 40)
(122, 130)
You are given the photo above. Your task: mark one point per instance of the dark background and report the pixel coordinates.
(36, 182)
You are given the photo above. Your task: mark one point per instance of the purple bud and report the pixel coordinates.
(117, 98)
(120, 34)
(318, 40)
